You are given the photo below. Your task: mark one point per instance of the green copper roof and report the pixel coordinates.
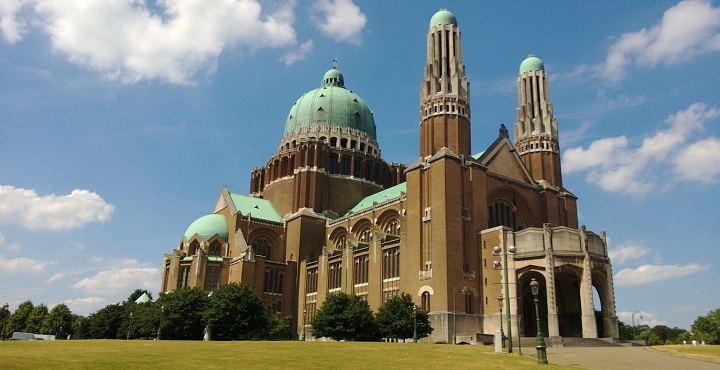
(207, 226)
(144, 298)
(478, 155)
(443, 17)
(331, 105)
(257, 207)
(379, 197)
(531, 63)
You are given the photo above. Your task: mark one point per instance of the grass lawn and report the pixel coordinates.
(139, 354)
(709, 353)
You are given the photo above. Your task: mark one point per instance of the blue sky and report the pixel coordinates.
(120, 122)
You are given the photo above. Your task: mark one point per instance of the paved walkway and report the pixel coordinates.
(618, 358)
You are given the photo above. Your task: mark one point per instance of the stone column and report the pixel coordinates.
(553, 323)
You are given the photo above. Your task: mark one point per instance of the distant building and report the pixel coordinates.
(327, 214)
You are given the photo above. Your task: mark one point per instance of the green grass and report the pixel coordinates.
(137, 354)
(709, 353)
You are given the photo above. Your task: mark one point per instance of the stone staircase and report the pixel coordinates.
(529, 342)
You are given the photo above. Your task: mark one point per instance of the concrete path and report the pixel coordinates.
(617, 358)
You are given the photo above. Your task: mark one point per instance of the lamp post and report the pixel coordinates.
(496, 251)
(304, 318)
(415, 337)
(502, 335)
(128, 327)
(162, 311)
(4, 308)
(540, 343)
(454, 311)
(632, 316)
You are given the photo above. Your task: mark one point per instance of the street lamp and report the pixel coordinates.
(304, 318)
(454, 310)
(632, 315)
(496, 251)
(162, 311)
(502, 335)
(4, 308)
(540, 343)
(128, 327)
(415, 337)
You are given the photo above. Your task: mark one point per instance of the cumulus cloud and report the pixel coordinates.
(640, 318)
(700, 161)
(10, 27)
(340, 20)
(175, 41)
(615, 166)
(86, 305)
(26, 208)
(119, 281)
(21, 265)
(627, 252)
(687, 30)
(651, 273)
(299, 53)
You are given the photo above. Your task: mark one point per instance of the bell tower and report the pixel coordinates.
(445, 91)
(536, 131)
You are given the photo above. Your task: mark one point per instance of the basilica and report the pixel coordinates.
(463, 233)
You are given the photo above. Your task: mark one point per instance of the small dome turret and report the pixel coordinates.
(531, 63)
(443, 17)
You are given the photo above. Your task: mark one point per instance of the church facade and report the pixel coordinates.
(462, 233)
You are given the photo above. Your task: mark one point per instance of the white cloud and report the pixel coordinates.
(120, 281)
(700, 161)
(10, 27)
(640, 318)
(615, 166)
(21, 265)
(299, 53)
(176, 41)
(51, 212)
(651, 273)
(85, 306)
(687, 30)
(340, 20)
(627, 252)
(56, 276)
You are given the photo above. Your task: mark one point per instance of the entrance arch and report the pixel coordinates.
(567, 293)
(527, 304)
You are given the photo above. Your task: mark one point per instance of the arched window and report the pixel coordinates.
(212, 277)
(214, 249)
(469, 303)
(366, 235)
(262, 247)
(425, 301)
(393, 227)
(194, 246)
(502, 213)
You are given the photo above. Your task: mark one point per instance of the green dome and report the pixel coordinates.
(532, 63)
(207, 227)
(331, 105)
(443, 17)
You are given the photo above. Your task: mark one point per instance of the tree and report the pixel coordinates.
(182, 313)
(136, 294)
(106, 322)
(18, 319)
(36, 319)
(58, 321)
(707, 327)
(279, 327)
(235, 312)
(345, 317)
(395, 319)
(80, 327)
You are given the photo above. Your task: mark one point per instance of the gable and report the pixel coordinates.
(502, 159)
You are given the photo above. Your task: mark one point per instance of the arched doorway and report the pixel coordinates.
(567, 293)
(527, 304)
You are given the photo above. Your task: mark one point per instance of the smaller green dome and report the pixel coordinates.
(531, 63)
(443, 17)
(207, 227)
(333, 77)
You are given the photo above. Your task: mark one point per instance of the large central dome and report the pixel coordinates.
(330, 105)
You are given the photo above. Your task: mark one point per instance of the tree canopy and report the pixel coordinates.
(707, 327)
(345, 317)
(396, 318)
(234, 312)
